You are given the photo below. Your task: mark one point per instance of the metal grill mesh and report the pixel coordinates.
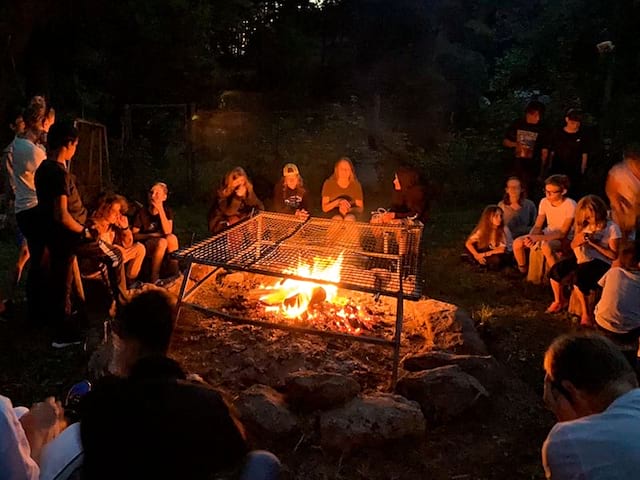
(376, 258)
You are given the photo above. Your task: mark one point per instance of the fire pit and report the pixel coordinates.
(312, 258)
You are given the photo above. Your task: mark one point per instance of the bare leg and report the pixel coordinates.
(133, 258)
(519, 253)
(16, 274)
(156, 248)
(550, 253)
(586, 318)
(559, 301)
(172, 246)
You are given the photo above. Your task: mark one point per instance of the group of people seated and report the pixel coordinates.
(56, 230)
(587, 249)
(342, 196)
(148, 421)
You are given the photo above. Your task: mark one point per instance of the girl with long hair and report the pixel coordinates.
(112, 226)
(490, 242)
(595, 246)
(519, 212)
(342, 197)
(235, 201)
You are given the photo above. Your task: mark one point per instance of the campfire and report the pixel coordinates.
(313, 303)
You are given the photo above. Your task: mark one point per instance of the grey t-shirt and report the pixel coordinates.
(519, 221)
(619, 307)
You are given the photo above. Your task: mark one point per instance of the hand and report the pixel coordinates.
(122, 221)
(529, 242)
(156, 204)
(126, 238)
(481, 258)
(302, 213)
(344, 207)
(44, 421)
(584, 238)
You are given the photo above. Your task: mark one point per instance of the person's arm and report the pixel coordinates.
(16, 459)
(537, 226)
(470, 245)
(61, 215)
(610, 250)
(544, 161)
(509, 140)
(557, 235)
(509, 143)
(358, 201)
(165, 223)
(328, 204)
(583, 164)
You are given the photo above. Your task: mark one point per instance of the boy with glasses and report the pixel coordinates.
(552, 226)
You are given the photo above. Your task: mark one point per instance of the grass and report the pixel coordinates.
(509, 314)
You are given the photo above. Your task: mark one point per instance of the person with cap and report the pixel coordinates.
(289, 194)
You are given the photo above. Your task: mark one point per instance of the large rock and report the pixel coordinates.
(319, 391)
(370, 420)
(485, 368)
(443, 393)
(263, 411)
(447, 327)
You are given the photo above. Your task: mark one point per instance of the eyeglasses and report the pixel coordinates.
(551, 192)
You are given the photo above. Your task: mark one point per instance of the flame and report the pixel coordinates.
(302, 292)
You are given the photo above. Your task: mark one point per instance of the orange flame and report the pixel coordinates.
(302, 292)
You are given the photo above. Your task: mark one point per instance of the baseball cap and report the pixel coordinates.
(290, 169)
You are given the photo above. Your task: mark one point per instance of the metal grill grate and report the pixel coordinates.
(382, 259)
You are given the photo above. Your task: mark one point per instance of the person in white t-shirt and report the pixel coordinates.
(618, 310)
(593, 391)
(595, 245)
(553, 224)
(623, 190)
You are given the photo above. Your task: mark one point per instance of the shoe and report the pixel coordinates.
(66, 342)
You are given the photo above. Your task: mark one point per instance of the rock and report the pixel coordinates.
(319, 391)
(447, 327)
(484, 368)
(370, 420)
(443, 393)
(263, 411)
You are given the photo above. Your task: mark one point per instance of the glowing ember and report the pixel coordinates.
(309, 301)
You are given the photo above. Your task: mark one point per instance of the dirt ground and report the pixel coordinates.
(501, 441)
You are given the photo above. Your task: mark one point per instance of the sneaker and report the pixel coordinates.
(68, 337)
(64, 343)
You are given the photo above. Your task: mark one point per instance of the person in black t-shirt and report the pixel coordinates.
(570, 152)
(151, 422)
(289, 194)
(527, 137)
(62, 226)
(153, 226)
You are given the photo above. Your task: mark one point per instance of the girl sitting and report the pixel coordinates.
(235, 201)
(112, 226)
(342, 197)
(289, 194)
(595, 246)
(490, 242)
(557, 212)
(519, 212)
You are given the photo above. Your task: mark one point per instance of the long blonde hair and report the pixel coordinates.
(350, 163)
(487, 232)
(590, 204)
